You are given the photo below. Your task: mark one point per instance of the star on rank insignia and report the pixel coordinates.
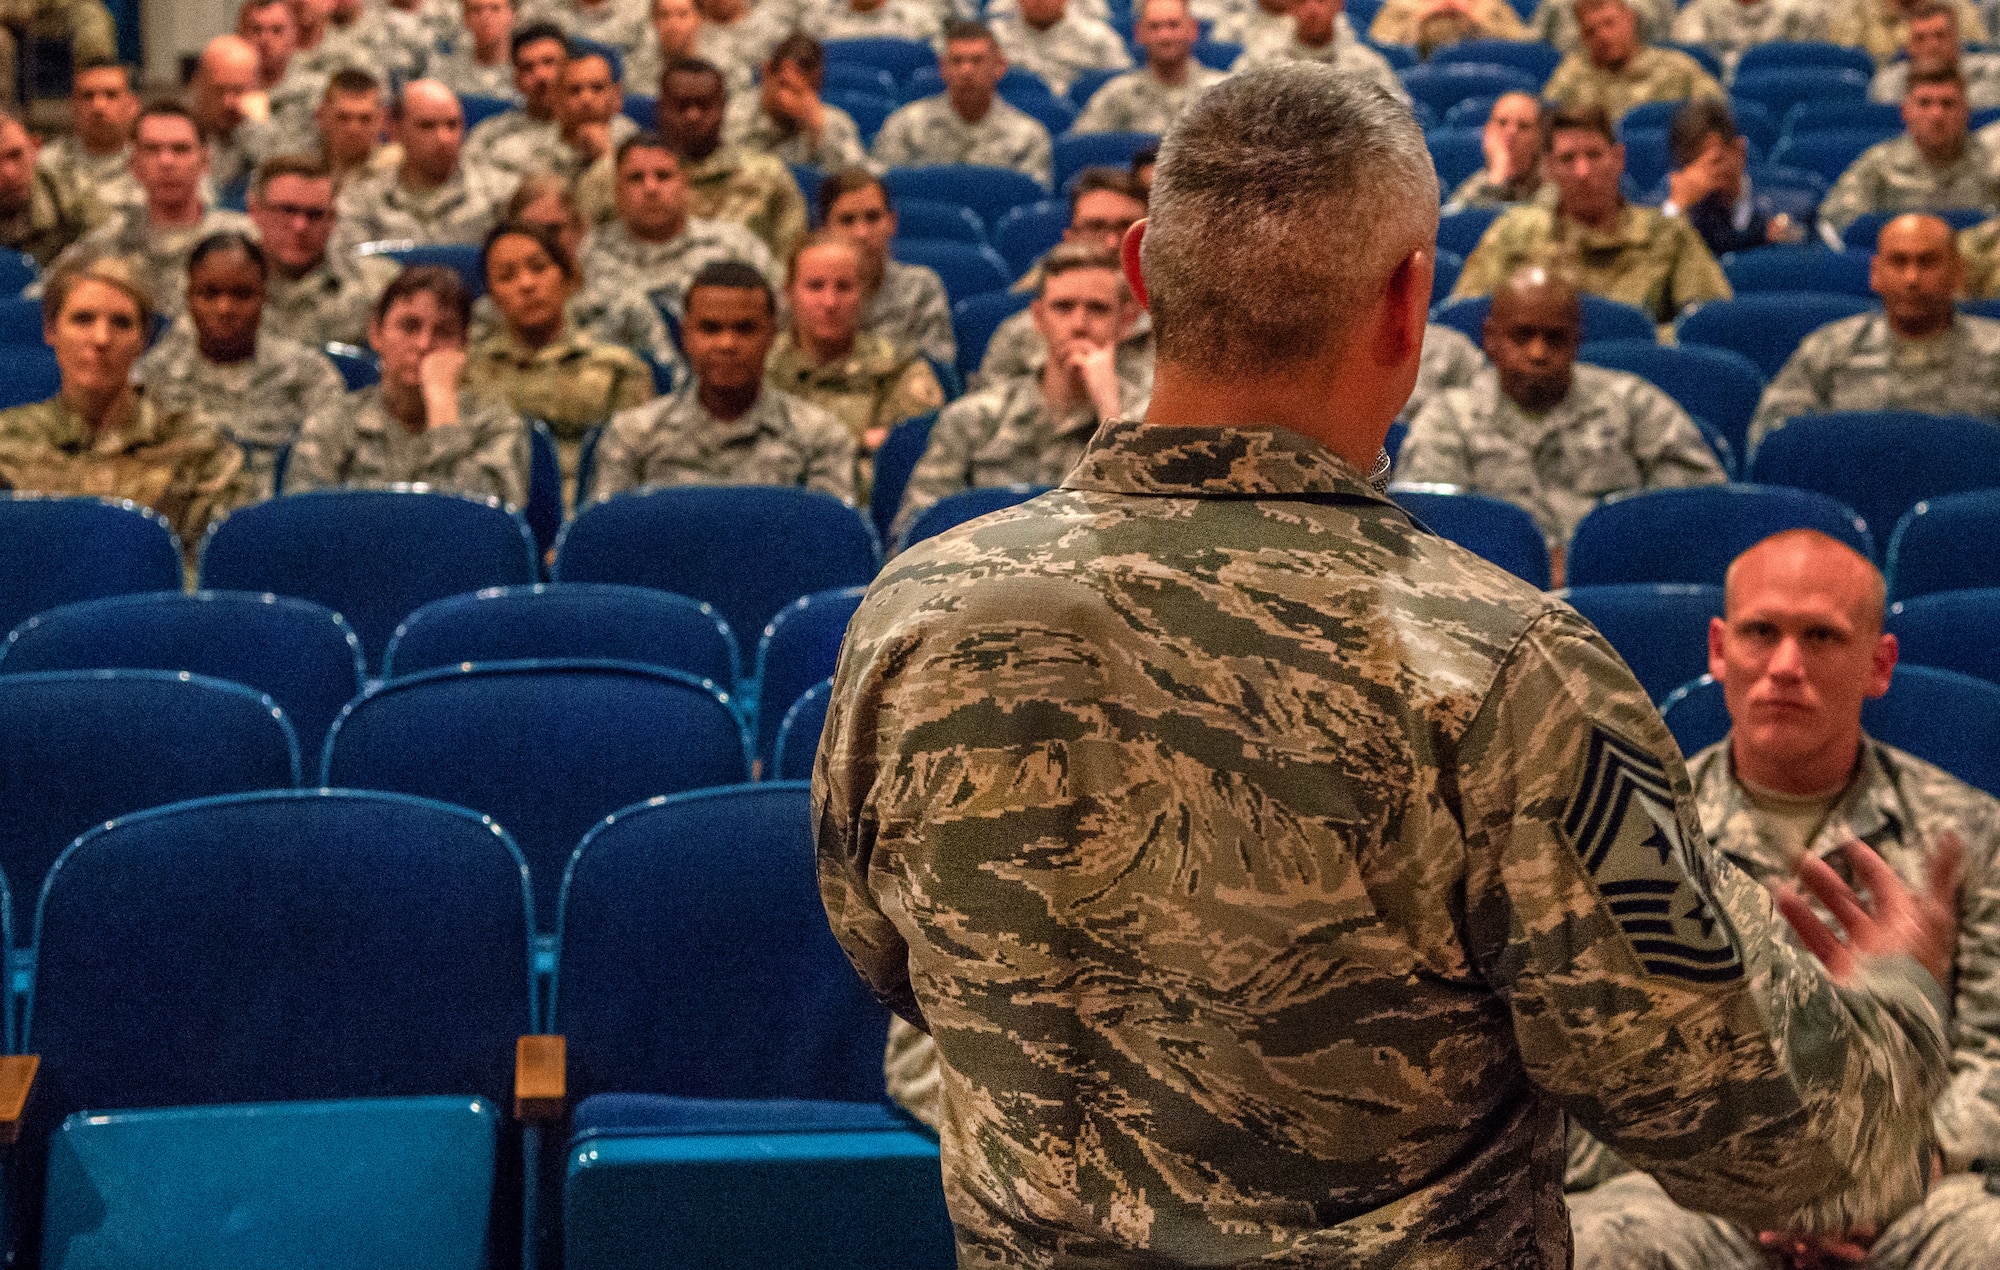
(1624, 828)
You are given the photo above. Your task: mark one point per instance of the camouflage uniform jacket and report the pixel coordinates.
(1652, 74)
(622, 24)
(1349, 56)
(1003, 435)
(643, 68)
(1408, 22)
(1017, 348)
(1138, 101)
(178, 466)
(1730, 26)
(876, 385)
(606, 313)
(755, 191)
(356, 443)
(106, 179)
(1982, 81)
(459, 71)
(1900, 805)
(258, 403)
(783, 440)
(930, 131)
(1612, 432)
(543, 150)
(1893, 176)
(911, 311)
(1883, 26)
(386, 42)
(1252, 856)
(1063, 51)
(1251, 22)
(1979, 246)
(572, 384)
(617, 261)
(58, 214)
(1449, 360)
(749, 126)
(382, 208)
(1859, 363)
(1656, 263)
(1555, 22)
(158, 256)
(893, 19)
(1478, 190)
(489, 132)
(329, 303)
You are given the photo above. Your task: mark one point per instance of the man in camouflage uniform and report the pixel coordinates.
(1918, 352)
(224, 88)
(1512, 142)
(785, 117)
(1550, 436)
(348, 124)
(1935, 45)
(726, 427)
(538, 52)
(376, 38)
(1936, 165)
(39, 214)
(1426, 25)
(1555, 23)
(1799, 650)
(1592, 236)
(1030, 428)
(727, 182)
(1053, 42)
(1614, 71)
(679, 31)
(314, 295)
(1882, 27)
(967, 122)
(94, 159)
(1245, 848)
(655, 248)
(1311, 35)
(1449, 360)
(876, 19)
(616, 24)
(1731, 27)
(1151, 98)
(476, 63)
(435, 196)
(906, 304)
(590, 125)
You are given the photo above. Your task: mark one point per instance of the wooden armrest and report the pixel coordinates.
(17, 1077)
(540, 1079)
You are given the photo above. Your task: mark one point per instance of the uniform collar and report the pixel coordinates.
(1630, 229)
(140, 426)
(502, 346)
(1866, 809)
(1129, 457)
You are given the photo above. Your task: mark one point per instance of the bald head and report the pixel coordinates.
(1812, 561)
(431, 127)
(1536, 289)
(1531, 337)
(225, 53)
(225, 74)
(1917, 272)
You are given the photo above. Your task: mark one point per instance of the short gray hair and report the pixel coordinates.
(1283, 199)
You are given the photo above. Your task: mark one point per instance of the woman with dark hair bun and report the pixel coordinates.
(216, 365)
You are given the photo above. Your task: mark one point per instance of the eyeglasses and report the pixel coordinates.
(1102, 228)
(293, 211)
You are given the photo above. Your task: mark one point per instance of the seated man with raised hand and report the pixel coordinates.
(1512, 143)
(1616, 71)
(1709, 186)
(1882, 27)
(1935, 166)
(968, 122)
(785, 117)
(1551, 436)
(1150, 98)
(1729, 28)
(725, 181)
(1051, 40)
(1935, 46)
(726, 426)
(1918, 352)
(1799, 649)
(1312, 34)
(420, 424)
(904, 304)
(1592, 236)
(1031, 429)
(435, 195)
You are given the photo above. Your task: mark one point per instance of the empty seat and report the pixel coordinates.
(1804, 54)
(20, 320)
(1827, 152)
(967, 269)
(78, 748)
(373, 556)
(1490, 528)
(1862, 232)
(31, 376)
(992, 192)
(749, 549)
(954, 510)
(797, 746)
(563, 620)
(460, 258)
(1951, 630)
(1880, 462)
(898, 57)
(850, 77)
(1442, 86)
(1660, 629)
(1941, 716)
(1779, 89)
(1691, 535)
(479, 109)
(544, 509)
(1072, 154)
(1462, 230)
(1456, 153)
(17, 270)
(547, 748)
(1820, 116)
(1602, 319)
(1025, 233)
(923, 218)
(1766, 327)
(799, 648)
(358, 367)
(1536, 60)
(303, 654)
(1949, 543)
(1793, 191)
(62, 550)
(1718, 387)
(894, 463)
(869, 111)
(1800, 269)
(975, 319)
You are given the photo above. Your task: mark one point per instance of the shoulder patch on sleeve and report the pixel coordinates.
(1626, 833)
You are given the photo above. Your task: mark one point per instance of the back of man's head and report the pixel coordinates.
(1284, 199)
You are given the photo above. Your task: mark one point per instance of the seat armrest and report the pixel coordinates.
(540, 1078)
(17, 1077)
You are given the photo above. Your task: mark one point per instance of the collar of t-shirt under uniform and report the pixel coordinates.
(1868, 806)
(1129, 457)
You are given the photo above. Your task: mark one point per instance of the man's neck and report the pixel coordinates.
(692, 152)
(115, 145)
(1599, 219)
(1173, 74)
(405, 404)
(1325, 37)
(1945, 155)
(1927, 327)
(1041, 26)
(975, 115)
(664, 235)
(1617, 67)
(1184, 398)
(293, 275)
(410, 178)
(1814, 775)
(490, 54)
(174, 213)
(727, 404)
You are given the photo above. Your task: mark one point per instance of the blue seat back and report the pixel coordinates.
(1778, 55)
(1820, 116)
(1827, 152)
(1766, 327)
(1691, 535)
(479, 109)
(20, 320)
(460, 258)
(1880, 463)
(301, 653)
(1462, 230)
(1470, 113)
(749, 550)
(1863, 231)
(954, 510)
(547, 748)
(897, 460)
(1780, 89)
(1948, 543)
(31, 376)
(642, 109)
(1440, 87)
(62, 550)
(1457, 154)
(975, 319)
(1646, 159)
(992, 192)
(78, 748)
(1941, 716)
(544, 512)
(1536, 60)
(799, 648)
(851, 77)
(1793, 191)
(1217, 55)
(898, 57)
(1952, 630)
(797, 745)
(1023, 234)
(1716, 386)
(869, 111)
(927, 219)
(1602, 319)
(1445, 270)
(1799, 268)
(358, 367)
(565, 620)
(1085, 86)
(1072, 154)
(967, 269)
(1659, 628)
(373, 556)
(17, 270)
(1490, 528)
(695, 957)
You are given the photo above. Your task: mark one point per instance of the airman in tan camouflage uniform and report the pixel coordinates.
(1555, 22)
(94, 159)
(1731, 27)
(1883, 26)
(1150, 98)
(40, 214)
(86, 24)
(967, 122)
(436, 196)
(1935, 166)
(1614, 71)
(1310, 35)
(573, 384)
(878, 19)
(1055, 43)
(786, 117)
(356, 444)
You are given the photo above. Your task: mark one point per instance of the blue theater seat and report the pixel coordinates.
(1602, 319)
(1490, 528)
(898, 459)
(797, 745)
(799, 649)
(1947, 543)
(1690, 535)
(62, 550)
(1951, 630)
(1880, 462)
(1659, 628)
(1718, 387)
(1766, 327)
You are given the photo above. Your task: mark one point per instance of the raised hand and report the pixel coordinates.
(1897, 921)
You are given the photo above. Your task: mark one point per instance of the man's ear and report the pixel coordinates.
(1406, 303)
(1128, 254)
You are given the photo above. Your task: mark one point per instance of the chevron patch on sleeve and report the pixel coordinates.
(1623, 826)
